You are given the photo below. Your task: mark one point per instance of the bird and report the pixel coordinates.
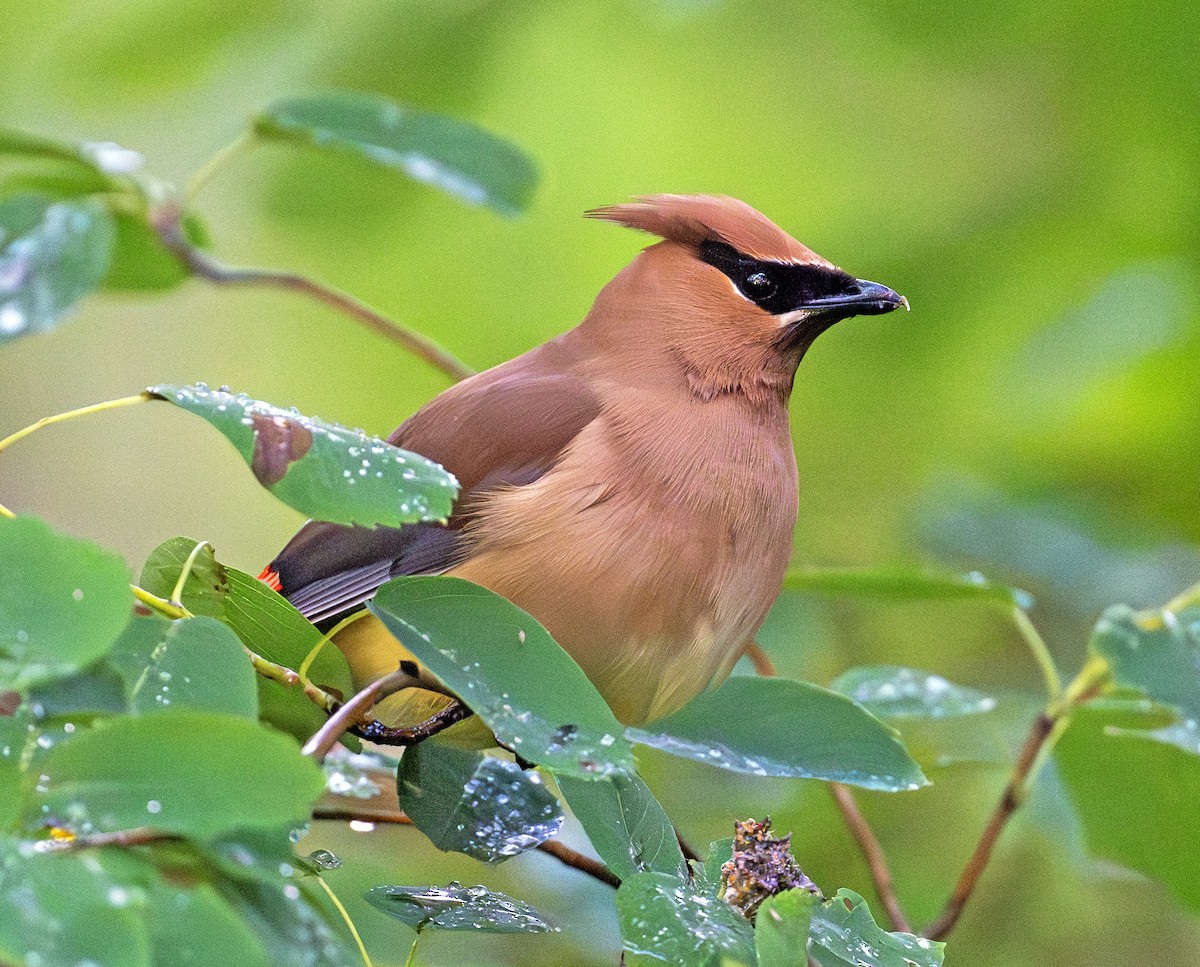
(631, 483)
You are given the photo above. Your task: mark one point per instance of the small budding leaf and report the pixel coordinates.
(779, 727)
(844, 934)
(1156, 652)
(321, 469)
(666, 919)
(457, 907)
(466, 802)
(459, 158)
(52, 254)
(892, 692)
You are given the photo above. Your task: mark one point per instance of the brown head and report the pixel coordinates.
(730, 294)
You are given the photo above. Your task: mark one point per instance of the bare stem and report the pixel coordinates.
(141, 836)
(377, 732)
(1010, 801)
(166, 222)
(872, 851)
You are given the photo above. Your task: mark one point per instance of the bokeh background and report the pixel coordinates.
(1028, 174)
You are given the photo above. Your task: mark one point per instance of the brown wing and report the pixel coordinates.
(504, 427)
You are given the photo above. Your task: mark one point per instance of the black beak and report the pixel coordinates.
(859, 298)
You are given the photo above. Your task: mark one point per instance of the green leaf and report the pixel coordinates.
(1156, 652)
(892, 692)
(662, 917)
(781, 929)
(708, 874)
(196, 927)
(290, 927)
(844, 934)
(194, 663)
(779, 727)
(900, 584)
(457, 907)
(102, 157)
(193, 773)
(66, 910)
(509, 670)
(1135, 794)
(63, 601)
(140, 262)
(625, 823)
(321, 469)
(460, 158)
(470, 803)
(266, 623)
(52, 254)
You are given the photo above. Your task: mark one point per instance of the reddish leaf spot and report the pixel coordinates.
(278, 443)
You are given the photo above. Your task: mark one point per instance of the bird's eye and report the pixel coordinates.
(759, 285)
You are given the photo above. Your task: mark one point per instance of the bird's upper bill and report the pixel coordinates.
(766, 266)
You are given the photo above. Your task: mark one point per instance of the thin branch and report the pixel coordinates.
(354, 711)
(881, 876)
(375, 731)
(561, 852)
(1009, 802)
(166, 223)
(141, 836)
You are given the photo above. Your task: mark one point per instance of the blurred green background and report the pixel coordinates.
(1028, 174)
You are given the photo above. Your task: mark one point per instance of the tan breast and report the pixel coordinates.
(654, 549)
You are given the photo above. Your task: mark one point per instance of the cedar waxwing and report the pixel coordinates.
(631, 483)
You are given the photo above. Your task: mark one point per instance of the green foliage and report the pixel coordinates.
(71, 602)
(457, 157)
(844, 934)
(906, 693)
(470, 803)
(625, 823)
(457, 907)
(324, 470)
(52, 254)
(797, 729)
(483, 648)
(781, 929)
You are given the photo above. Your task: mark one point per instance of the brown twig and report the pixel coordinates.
(353, 712)
(166, 222)
(1010, 801)
(881, 876)
(560, 851)
(375, 731)
(141, 836)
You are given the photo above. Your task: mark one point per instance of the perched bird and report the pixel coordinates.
(631, 483)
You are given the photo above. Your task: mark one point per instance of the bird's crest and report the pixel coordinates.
(692, 219)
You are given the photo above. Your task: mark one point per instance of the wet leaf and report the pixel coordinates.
(194, 773)
(663, 918)
(509, 670)
(457, 907)
(467, 802)
(457, 157)
(1135, 794)
(62, 910)
(321, 469)
(625, 823)
(892, 692)
(779, 727)
(52, 254)
(781, 929)
(63, 601)
(708, 874)
(194, 663)
(266, 623)
(906, 585)
(1156, 652)
(844, 934)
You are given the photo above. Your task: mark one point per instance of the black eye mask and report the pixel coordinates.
(774, 286)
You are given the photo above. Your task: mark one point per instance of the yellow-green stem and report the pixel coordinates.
(345, 916)
(70, 415)
(161, 605)
(325, 639)
(177, 594)
(1040, 653)
(205, 172)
